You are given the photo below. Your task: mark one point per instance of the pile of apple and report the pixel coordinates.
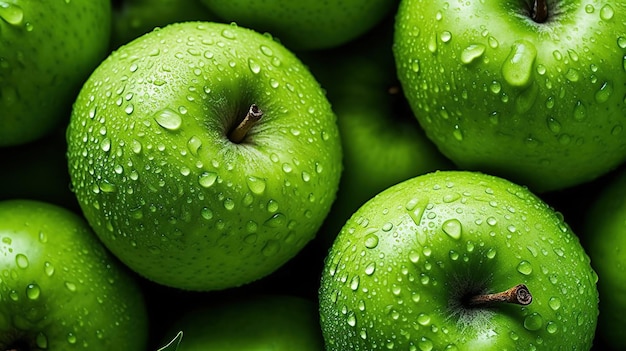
(312, 175)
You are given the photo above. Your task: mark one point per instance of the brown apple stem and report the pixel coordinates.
(540, 11)
(241, 130)
(518, 294)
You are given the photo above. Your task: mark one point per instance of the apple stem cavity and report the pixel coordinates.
(238, 134)
(518, 294)
(539, 12)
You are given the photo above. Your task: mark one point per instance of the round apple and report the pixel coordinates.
(60, 288)
(47, 50)
(204, 155)
(529, 90)
(305, 24)
(255, 322)
(605, 240)
(457, 260)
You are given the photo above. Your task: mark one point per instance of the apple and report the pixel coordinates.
(274, 322)
(47, 50)
(204, 155)
(305, 25)
(457, 260)
(382, 142)
(605, 240)
(60, 288)
(133, 18)
(528, 90)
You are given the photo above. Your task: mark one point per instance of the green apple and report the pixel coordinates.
(382, 142)
(457, 260)
(529, 90)
(251, 323)
(306, 24)
(204, 155)
(133, 18)
(60, 288)
(605, 240)
(47, 50)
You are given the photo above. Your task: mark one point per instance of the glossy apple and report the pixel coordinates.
(171, 179)
(417, 267)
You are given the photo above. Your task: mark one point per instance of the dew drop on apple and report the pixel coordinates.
(11, 13)
(370, 268)
(22, 261)
(254, 66)
(525, 267)
(554, 303)
(354, 283)
(70, 286)
(425, 344)
(472, 53)
(256, 185)
(604, 93)
(48, 269)
(270, 248)
(33, 291)
(533, 321)
(607, 12)
(168, 119)
(71, 338)
(193, 145)
(276, 221)
(41, 340)
(371, 241)
(207, 179)
(453, 228)
(517, 67)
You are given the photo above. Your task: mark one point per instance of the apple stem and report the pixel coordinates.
(239, 133)
(540, 11)
(518, 294)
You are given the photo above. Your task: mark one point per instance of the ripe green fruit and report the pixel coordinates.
(47, 50)
(133, 18)
(164, 180)
(60, 289)
(535, 97)
(305, 24)
(407, 269)
(260, 322)
(605, 240)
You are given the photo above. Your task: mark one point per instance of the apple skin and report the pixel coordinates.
(164, 187)
(541, 104)
(47, 50)
(382, 142)
(133, 18)
(251, 322)
(61, 289)
(397, 272)
(605, 240)
(305, 25)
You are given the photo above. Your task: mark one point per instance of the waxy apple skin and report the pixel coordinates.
(398, 270)
(541, 104)
(47, 50)
(162, 184)
(605, 240)
(61, 289)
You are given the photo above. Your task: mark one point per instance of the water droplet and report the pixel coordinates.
(370, 268)
(270, 248)
(432, 43)
(423, 319)
(607, 12)
(580, 111)
(266, 50)
(589, 8)
(256, 185)
(21, 261)
(553, 125)
(71, 338)
(425, 344)
(572, 75)
(107, 187)
(254, 66)
(193, 144)
(525, 267)
(446, 36)
(228, 34)
(453, 228)
(207, 179)
(472, 52)
(105, 145)
(371, 241)
(621, 42)
(41, 340)
(517, 68)
(276, 221)
(533, 321)
(206, 213)
(554, 303)
(415, 65)
(604, 93)
(416, 208)
(354, 283)
(11, 13)
(552, 327)
(48, 268)
(33, 291)
(70, 286)
(135, 146)
(229, 204)
(493, 42)
(168, 119)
